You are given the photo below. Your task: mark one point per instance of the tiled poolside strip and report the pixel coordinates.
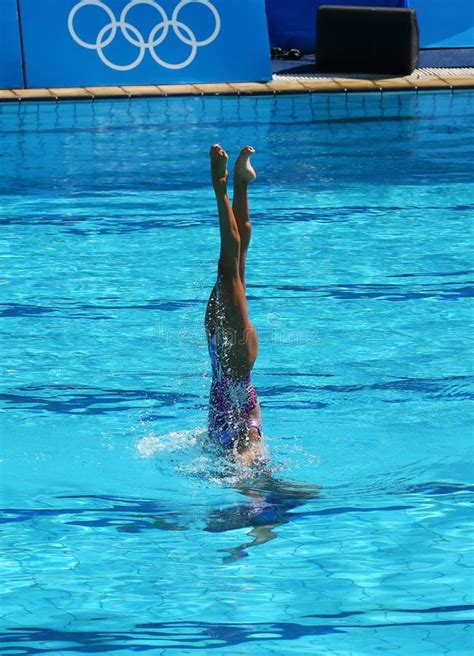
(280, 85)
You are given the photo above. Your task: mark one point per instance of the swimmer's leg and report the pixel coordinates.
(230, 240)
(237, 346)
(210, 321)
(244, 174)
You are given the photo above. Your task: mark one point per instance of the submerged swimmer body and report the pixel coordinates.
(234, 412)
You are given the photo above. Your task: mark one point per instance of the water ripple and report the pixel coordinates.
(195, 635)
(71, 399)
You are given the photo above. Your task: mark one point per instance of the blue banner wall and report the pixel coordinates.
(445, 23)
(116, 42)
(11, 70)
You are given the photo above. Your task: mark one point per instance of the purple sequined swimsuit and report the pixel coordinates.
(233, 404)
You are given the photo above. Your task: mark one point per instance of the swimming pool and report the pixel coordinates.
(121, 533)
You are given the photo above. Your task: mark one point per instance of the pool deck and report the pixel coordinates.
(420, 80)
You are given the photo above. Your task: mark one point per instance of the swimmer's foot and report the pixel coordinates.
(219, 159)
(244, 172)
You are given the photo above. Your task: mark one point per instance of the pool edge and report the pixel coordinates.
(275, 87)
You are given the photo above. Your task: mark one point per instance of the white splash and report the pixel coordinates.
(150, 445)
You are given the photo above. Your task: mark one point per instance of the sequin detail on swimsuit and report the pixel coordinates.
(233, 404)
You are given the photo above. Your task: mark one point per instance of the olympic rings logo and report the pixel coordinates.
(156, 36)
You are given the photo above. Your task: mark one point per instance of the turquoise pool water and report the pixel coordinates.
(121, 533)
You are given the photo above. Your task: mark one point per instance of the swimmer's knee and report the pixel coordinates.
(228, 268)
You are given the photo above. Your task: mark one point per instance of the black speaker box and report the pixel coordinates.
(367, 40)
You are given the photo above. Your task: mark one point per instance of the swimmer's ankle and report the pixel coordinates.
(240, 184)
(219, 184)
